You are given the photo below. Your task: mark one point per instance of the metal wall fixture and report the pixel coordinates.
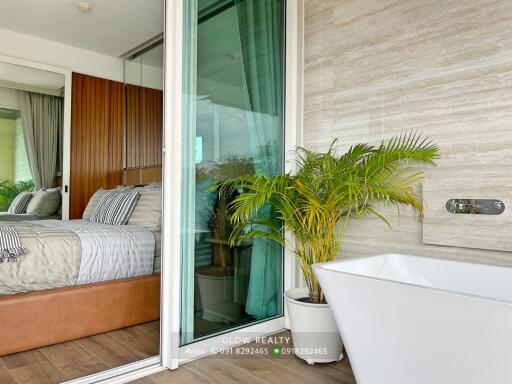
(476, 206)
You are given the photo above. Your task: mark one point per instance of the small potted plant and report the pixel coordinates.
(216, 283)
(314, 206)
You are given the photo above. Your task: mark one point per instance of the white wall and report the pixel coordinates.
(144, 75)
(9, 98)
(49, 52)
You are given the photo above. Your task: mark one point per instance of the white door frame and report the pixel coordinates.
(66, 143)
(294, 91)
(171, 231)
(172, 354)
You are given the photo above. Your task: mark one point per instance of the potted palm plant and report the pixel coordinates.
(216, 283)
(314, 206)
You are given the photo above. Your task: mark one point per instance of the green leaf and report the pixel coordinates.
(315, 204)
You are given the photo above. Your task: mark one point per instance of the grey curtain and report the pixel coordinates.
(261, 25)
(42, 120)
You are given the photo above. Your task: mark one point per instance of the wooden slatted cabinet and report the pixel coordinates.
(116, 137)
(97, 130)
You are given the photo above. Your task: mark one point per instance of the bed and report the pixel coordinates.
(78, 278)
(76, 252)
(4, 216)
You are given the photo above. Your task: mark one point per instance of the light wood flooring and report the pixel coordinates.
(66, 361)
(74, 359)
(254, 370)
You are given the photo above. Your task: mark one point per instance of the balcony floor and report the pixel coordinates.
(253, 369)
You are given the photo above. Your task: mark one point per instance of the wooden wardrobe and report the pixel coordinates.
(116, 133)
(144, 122)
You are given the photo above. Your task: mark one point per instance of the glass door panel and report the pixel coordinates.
(233, 125)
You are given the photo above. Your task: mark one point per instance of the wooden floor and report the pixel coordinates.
(66, 361)
(252, 369)
(62, 362)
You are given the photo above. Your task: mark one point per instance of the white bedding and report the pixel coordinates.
(66, 253)
(110, 252)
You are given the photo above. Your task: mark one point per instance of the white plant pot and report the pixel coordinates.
(315, 336)
(221, 296)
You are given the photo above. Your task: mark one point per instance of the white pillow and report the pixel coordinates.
(148, 212)
(93, 202)
(45, 202)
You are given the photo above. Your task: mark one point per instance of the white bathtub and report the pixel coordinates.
(416, 320)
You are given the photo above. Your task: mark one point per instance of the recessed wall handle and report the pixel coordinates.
(476, 206)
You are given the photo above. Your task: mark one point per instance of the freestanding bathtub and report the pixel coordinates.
(416, 320)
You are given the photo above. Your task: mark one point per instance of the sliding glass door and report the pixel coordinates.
(233, 125)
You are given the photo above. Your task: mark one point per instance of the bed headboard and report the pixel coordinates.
(142, 175)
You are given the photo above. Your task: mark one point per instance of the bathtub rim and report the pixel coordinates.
(318, 266)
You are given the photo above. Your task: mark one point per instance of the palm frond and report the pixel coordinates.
(316, 203)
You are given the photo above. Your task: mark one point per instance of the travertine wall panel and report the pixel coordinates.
(377, 68)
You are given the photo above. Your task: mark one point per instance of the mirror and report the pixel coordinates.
(80, 295)
(145, 68)
(31, 143)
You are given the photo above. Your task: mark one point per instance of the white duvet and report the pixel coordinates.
(63, 253)
(110, 252)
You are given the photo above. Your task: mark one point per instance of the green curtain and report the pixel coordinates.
(261, 25)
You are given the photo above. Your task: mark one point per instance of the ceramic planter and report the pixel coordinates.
(315, 336)
(222, 297)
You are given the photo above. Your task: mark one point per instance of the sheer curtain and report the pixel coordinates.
(261, 23)
(42, 121)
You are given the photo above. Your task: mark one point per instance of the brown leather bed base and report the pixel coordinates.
(36, 319)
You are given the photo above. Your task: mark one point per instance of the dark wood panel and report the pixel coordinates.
(142, 175)
(144, 125)
(133, 126)
(152, 123)
(117, 125)
(97, 125)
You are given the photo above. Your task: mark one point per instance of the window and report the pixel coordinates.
(15, 173)
(234, 123)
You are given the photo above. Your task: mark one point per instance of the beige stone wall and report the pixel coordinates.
(377, 68)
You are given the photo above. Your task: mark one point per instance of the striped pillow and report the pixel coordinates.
(115, 207)
(20, 203)
(94, 200)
